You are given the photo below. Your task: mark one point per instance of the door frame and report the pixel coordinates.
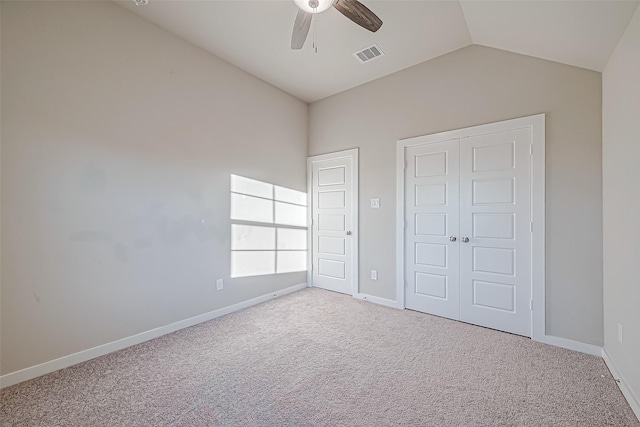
(536, 125)
(355, 233)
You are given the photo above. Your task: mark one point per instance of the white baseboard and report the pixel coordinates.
(378, 300)
(591, 349)
(82, 356)
(627, 392)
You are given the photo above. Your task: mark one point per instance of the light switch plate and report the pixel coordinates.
(374, 274)
(375, 203)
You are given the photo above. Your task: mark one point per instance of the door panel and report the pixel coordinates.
(495, 208)
(332, 222)
(493, 226)
(431, 254)
(331, 245)
(331, 199)
(431, 209)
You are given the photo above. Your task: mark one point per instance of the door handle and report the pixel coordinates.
(465, 240)
(348, 233)
(452, 238)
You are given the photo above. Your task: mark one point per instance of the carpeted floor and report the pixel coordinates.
(316, 358)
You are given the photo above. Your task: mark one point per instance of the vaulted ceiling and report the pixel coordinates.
(256, 35)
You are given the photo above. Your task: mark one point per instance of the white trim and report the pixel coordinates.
(377, 300)
(309, 224)
(627, 392)
(355, 198)
(400, 223)
(581, 347)
(538, 253)
(537, 125)
(101, 350)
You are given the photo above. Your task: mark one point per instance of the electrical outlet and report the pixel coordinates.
(374, 274)
(219, 285)
(375, 203)
(620, 333)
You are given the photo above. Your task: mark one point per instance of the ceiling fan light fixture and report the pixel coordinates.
(307, 5)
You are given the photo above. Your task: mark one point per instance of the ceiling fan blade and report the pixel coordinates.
(359, 14)
(300, 29)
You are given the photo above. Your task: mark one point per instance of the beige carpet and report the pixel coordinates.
(316, 358)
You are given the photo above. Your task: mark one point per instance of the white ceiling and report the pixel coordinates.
(256, 35)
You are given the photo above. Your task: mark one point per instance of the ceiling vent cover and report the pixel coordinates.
(369, 53)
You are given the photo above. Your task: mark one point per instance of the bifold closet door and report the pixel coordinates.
(431, 224)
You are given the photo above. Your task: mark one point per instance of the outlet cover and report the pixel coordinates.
(219, 284)
(375, 203)
(620, 333)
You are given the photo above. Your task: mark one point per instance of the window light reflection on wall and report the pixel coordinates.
(268, 233)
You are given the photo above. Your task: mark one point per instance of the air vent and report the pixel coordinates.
(367, 54)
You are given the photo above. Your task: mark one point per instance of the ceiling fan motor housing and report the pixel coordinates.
(352, 9)
(313, 6)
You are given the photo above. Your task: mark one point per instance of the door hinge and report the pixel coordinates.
(531, 304)
(531, 149)
(531, 227)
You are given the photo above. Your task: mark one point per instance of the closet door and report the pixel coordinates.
(431, 228)
(495, 212)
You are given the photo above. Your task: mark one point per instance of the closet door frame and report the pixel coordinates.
(536, 125)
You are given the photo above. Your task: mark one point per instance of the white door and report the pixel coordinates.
(495, 217)
(467, 236)
(431, 210)
(333, 182)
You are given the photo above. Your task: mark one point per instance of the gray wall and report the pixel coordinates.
(472, 86)
(621, 190)
(118, 140)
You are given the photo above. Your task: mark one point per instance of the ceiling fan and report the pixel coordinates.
(352, 9)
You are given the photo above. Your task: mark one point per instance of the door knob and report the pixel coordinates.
(348, 233)
(465, 240)
(452, 238)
